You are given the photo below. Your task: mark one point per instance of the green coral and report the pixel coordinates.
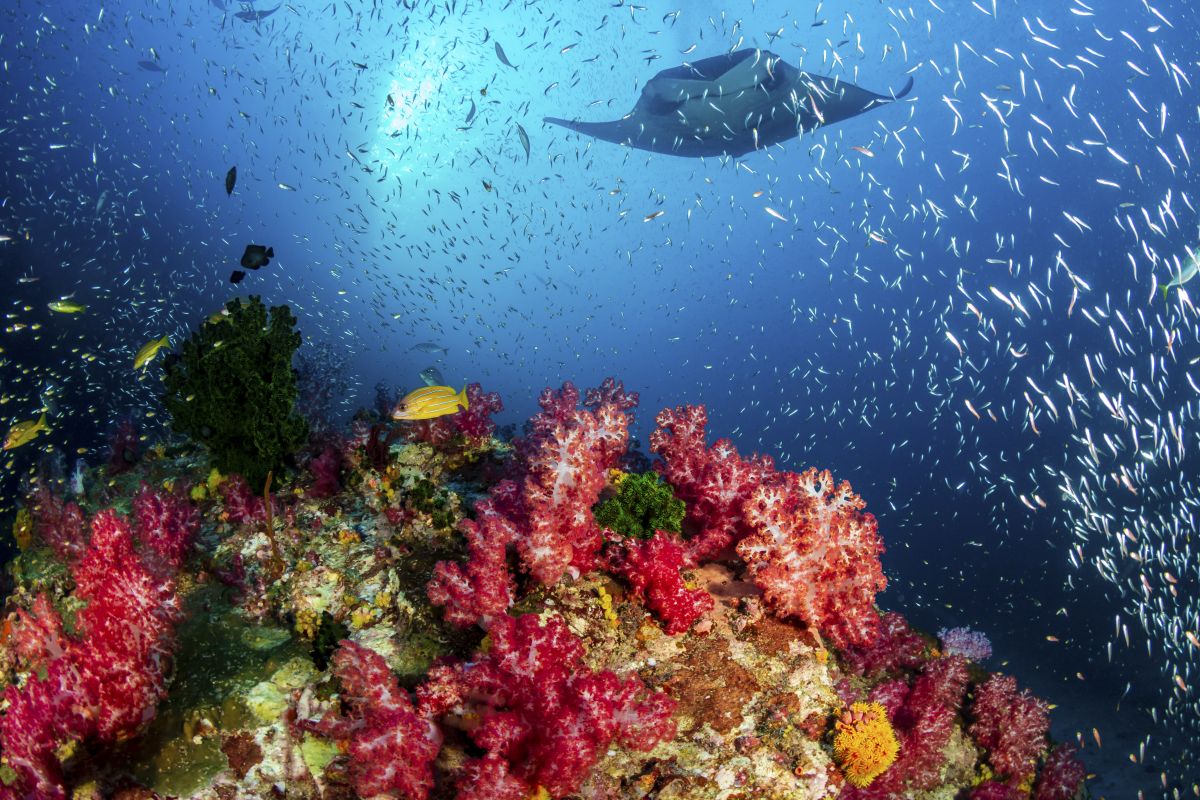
(232, 388)
(642, 505)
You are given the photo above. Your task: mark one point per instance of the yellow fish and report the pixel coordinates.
(66, 307)
(149, 351)
(25, 432)
(429, 402)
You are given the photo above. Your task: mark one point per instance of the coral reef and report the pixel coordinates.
(430, 613)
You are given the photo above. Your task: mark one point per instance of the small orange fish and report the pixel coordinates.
(862, 150)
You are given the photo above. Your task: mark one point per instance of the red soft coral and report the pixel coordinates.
(471, 428)
(1061, 775)
(653, 569)
(480, 589)
(544, 718)
(242, 504)
(714, 482)
(104, 684)
(815, 554)
(391, 745)
(1010, 726)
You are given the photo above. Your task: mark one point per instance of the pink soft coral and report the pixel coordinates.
(471, 427)
(105, 683)
(815, 554)
(544, 718)
(560, 469)
(1010, 725)
(391, 744)
(714, 482)
(653, 569)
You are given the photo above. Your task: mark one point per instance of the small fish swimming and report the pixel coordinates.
(432, 376)
(151, 66)
(149, 350)
(524, 140)
(1191, 265)
(430, 402)
(470, 114)
(230, 180)
(236, 276)
(25, 432)
(256, 256)
(430, 347)
(66, 307)
(503, 58)
(257, 16)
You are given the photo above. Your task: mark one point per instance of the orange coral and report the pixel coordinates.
(865, 744)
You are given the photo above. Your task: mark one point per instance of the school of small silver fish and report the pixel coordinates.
(977, 297)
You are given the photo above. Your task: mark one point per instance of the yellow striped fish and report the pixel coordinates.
(429, 402)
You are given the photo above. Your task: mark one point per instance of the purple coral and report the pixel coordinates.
(965, 642)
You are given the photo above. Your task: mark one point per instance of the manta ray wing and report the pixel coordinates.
(731, 104)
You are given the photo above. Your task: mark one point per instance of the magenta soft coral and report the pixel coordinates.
(815, 554)
(1009, 725)
(59, 523)
(1061, 775)
(895, 648)
(714, 482)
(105, 683)
(391, 744)
(653, 569)
(544, 718)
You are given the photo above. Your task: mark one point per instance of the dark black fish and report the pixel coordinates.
(218, 3)
(150, 66)
(236, 276)
(256, 256)
(230, 180)
(503, 58)
(257, 16)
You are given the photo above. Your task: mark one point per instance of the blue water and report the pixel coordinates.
(808, 339)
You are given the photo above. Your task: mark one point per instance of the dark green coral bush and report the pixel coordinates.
(642, 505)
(232, 388)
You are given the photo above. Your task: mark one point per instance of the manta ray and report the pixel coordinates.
(731, 105)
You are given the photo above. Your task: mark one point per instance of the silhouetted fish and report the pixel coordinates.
(256, 16)
(230, 180)
(256, 256)
(503, 58)
(236, 276)
(150, 66)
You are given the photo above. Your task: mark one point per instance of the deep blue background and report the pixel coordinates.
(807, 340)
